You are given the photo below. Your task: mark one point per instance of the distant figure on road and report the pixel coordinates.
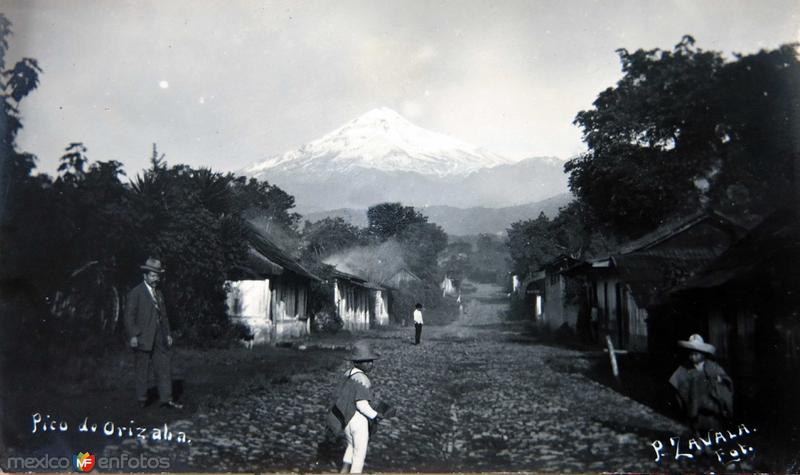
(417, 323)
(353, 398)
(705, 391)
(148, 329)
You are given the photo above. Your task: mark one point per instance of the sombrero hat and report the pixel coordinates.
(696, 343)
(362, 352)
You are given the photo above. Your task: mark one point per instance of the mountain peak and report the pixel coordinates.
(382, 139)
(381, 113)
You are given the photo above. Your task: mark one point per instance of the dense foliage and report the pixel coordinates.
(683, 130)
(573, 232)
(482, 258)
(194, 220)
(329, 236)
(71, 245)
(686, 128)
(421, 241)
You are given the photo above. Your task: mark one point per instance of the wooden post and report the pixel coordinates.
(613, 357)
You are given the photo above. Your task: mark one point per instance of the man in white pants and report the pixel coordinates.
(352, 400)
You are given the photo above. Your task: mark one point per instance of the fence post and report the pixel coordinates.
(613, 357)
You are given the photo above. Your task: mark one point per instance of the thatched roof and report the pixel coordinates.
(265, 258)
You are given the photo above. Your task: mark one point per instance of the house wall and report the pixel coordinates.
(620, 315)
(352, 305)
(249, 302)
(289, 304)
(607, 304)
(532, 302)
(638, 325)
(557, 310)
(732, 331)
(273, 310)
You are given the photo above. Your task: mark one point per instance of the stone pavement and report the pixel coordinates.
(468, 399)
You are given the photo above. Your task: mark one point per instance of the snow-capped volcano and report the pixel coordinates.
(381, 157)
(381, 140)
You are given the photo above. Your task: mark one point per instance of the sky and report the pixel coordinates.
(224, 84)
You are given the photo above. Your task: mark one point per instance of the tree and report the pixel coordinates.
(490, 262)
(684, 129)
(574, 232)
(16, 83)
(257, 199)
(531, 243)
(191, 219)
(390, 219)
(421, 244)
(454, 260)
(329, 236)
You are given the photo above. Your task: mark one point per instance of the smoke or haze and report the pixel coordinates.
(374, 263)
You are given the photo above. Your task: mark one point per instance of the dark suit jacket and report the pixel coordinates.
(142, 316)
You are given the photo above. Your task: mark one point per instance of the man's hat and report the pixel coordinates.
(153, 265)
(362, 352)
(696, 343)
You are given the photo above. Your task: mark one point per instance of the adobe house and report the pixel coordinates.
(269, 293)
(351, 295)
(532, 295)
(747, 304)
(560, 293)
(632, 283)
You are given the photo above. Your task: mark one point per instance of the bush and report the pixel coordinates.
(327, 322)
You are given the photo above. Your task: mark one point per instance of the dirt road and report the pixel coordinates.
(469, 398)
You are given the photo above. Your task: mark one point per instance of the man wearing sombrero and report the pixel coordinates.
(148, 329)
(352, 400)
(705, 391)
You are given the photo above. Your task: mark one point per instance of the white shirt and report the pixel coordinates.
(417, 316)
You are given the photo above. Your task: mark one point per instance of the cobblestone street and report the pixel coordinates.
(468, 399)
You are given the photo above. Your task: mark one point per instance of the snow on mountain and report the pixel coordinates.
(381, 157)
(381, 140)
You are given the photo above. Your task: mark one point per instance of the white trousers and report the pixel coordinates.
(357, 434)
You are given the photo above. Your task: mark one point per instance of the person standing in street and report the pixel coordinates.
(148, 329)
(352, 400)
(704, 389)
(417, 323)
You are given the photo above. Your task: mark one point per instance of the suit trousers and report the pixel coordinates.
(159, 358)
(417, 332)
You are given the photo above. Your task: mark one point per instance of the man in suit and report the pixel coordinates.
(148, 328)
